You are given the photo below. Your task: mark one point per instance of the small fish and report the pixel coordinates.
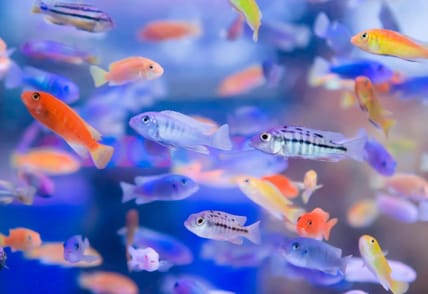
(21, 239)
(363, 213)
(3, 258)
(75, 248)
(187, 284)
(314, 254)
(5, 62)
(56, 51)
(251, 11)
(400, 209)
(44, 186)
(10, 192)
(164, 30)
(309, 185)
(335, 34)
(407, 185)
(218, 225)
(107, 282)
(273, 72)
(46, 160)
(143, 259)
(301, 142)
(242, 82)
(167, 187)
(379, 158)
(236, 28)
(287, 187)
(370, 103)
(80, 16)
(174, 129)
(126, 70)
(375, 260)
(315, 224)
(65, 122)
(390, 43)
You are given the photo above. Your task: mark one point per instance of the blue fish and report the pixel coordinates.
(74, 250)
(412, 88)
(379, 158)
(3, 258)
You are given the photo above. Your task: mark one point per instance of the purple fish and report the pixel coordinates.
(379, 158)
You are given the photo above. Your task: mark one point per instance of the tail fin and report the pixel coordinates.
(127, 191)
(220, 139)
(14, 77)
(98, 75)
(398, 287)
(328, 226)
(321, 25)
(318, 70)
(254, 232)
(2, 240)
(90, 258)
(307, 193)
(92, 59)
(355, 146)
(348, 100)
(387, 124)
(101, 155)
(26, 194)
(344, 263)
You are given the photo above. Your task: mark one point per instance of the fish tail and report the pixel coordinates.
(387, 124)
(348, 100)
(127, 191)
(355, 146)
(221, 139)
(14, 77)
(344, 263)
(92, 59)
(329, 225)
(26, 194)
(398, 287)
(101, 155)
(3, 240)
(254, 232)
(98, 75)
(307, 193)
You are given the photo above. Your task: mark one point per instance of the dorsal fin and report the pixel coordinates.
(141, 180)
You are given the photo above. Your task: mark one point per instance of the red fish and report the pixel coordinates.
(315, 224)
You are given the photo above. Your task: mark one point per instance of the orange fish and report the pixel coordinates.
(284, 185)
(164, 30)
(21, 239)
(315, 224)
(370, 103)
(107, 282)
(132, 221)
(407, 185)
(65, 122)
(126, 70)
(242, 82)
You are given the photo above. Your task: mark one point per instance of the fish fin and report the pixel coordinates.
(254, 232)
(324, 214)
(348, 100)
(318, 70)
(236, 241)
(3, 240)
(127, 192)
(90, 258)
(92, 60)
(203, 127)
(165, 265)
(26, 194)
(79, 149)
(344, 263)
(387, 124)
(14, 77)
(199, 148)
(101, 155)
(306, 195)
(329, 225)
(241, 220)
(96, 135)
(398, 287)
(8, 52)
(321, 25)
(221, 138)
(98, 75)
(143, 200)
(355, 146)
(53, 20)
(139, 181)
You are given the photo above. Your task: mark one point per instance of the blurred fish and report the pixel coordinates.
(143, 259)
(167, 187)
(335, 34)
(189, 285)
(78, 15)
(3, 258)
(407, 185)
(399, 209)
(218, 225)
(56, 51)
(411, 88)
(46, 160)
(10, 192)
(315, 224)
(236, 28)
(284, 36)
(132, 221)
(287, 187)
(363, 213)
(309, 185)
(126, 70)
(36, 79)
(248, 120)
(387, 18)
(65, 122)
(251, 11)
(75, 248)
(301, 142)
(44, 186)
(5, 62)
(174, 129)
(107, 282)
(379, 158)
(390, 43)
(375, 260)
(164, 30)
(21, 239)
(273, 72)
(242, 82)
(370, 104)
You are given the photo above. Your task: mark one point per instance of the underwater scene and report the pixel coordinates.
(213, 146)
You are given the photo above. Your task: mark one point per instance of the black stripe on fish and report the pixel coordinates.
(301, 141)
(59, 12)
(86, 8)
(230, 228)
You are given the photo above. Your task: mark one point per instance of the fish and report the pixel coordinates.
(81, 16)
(273, 72)
(107, 282)
(309, 185)
(189, 284)
(315, 224)
(301, 142)
(75, 248)
(336, 34)
(164, 30)
(402, 210)
(287, 187)
(143, 259)
(36, 79)
(390, 43)
(66, 123)
(376, 262)
(242, 81)
(10, 192)
(21, 239)
(174, 129)
(251, 12)
(407, 185)
(3, 259)
(370, 104)
(5, 61)
(44, 186)
(236, 28)
(362, 213)
(167, 187)
(314, 254)
(47, 160)
(57, 51)
(132, 221)
(411, 88)
(379, 158)
(218, 225)
(130, 69)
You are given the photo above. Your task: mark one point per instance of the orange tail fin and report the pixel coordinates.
(3, 240)
(328, 226)
(101, 155)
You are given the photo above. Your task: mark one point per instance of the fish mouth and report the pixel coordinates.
(354, 40)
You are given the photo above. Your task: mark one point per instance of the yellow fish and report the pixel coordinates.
(251, 11)
(376, 262)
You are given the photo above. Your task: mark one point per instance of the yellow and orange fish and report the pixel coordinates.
(242, 82)
(21, 239)
(391, 43)
(107, 282)
(284, 185)
(126, 70)
(65, 122)
(251, 11)
(164, 30)
(315, 224)
(407, 185)
(362, 213)
(309, 185)
(370, 103)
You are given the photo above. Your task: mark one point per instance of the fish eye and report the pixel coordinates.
(265, 137)
(35, 96)
(76, 246)
(29, 238)
(380, 67)
(305, 252)
(200, 221)
(364, 35)
(151, 66)
(145, 119)
(66, 88)
(372, 241)
(184, 181)
(247, 181)
(309, 223)
(299, 218)
(383, 163)
(295, 245)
